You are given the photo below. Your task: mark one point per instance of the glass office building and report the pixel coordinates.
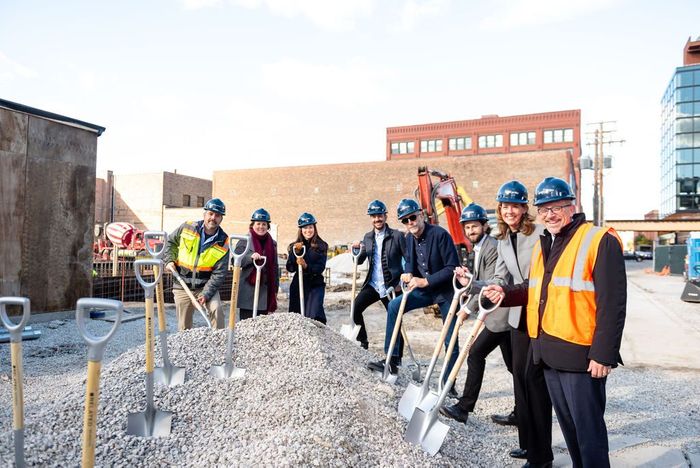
(680, 143)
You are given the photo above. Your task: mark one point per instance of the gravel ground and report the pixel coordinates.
(306, 399)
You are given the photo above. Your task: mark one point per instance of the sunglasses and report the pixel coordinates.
(409, 218)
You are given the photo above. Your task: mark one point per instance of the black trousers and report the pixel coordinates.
(484, 344)
(365, 298)
(533, 408)
(248, 313)
(579, 401)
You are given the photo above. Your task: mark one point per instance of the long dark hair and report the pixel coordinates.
(316, 242)
(526, 225)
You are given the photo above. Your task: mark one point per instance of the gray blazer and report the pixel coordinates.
(510, 270)
(246, 291)
(496, 321)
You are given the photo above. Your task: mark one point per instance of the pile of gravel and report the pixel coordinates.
(306, 399)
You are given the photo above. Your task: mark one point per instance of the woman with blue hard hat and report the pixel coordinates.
(261, 245)
(313, 263)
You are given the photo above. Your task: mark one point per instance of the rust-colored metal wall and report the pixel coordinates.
(47, 199)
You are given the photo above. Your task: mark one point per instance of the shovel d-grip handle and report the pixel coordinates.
(96, 344)
(237, 258)
(15, 329)
(356, 251)
(260, 266)
(457, 286)
(303, 252)
(157, 272)
(483, 311)
(155, 236)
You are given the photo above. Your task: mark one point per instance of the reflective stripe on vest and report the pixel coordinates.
(570, 311)
(188, 255)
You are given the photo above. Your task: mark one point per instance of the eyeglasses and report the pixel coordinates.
(542, 211)
(409, 218)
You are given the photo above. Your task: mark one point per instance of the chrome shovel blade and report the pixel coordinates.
(169, 375)
(391, 378)
(227, 372)
(350, 332)
(426, 431)
(154, 423)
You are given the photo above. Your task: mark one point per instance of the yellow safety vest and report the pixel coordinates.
(188, 255)
(570, 312)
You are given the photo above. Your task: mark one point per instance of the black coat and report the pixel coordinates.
(313, 273)
(393, 253)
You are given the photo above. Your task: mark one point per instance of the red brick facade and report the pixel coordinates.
(691, 52)
(338, 194)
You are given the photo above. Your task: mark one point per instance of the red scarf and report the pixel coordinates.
(270, 268)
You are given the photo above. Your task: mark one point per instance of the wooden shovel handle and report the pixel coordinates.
(17, 386)
(149, 335)
(160, 299)
(234, 297)
(92, 398)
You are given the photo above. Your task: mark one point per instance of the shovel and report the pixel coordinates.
(415, 395)
(17, 373)
(455, 333)
(168, 374)
(391, 294)
(227, 371)
(256, 297)
(301, 279)
(351, 331)
(152, 422)
(387, 376)
(96, 350)
(424, 429)
(194, 300)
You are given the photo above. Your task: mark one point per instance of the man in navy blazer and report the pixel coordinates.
(431, 258)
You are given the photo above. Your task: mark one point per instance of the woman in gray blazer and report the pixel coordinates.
(517, 236)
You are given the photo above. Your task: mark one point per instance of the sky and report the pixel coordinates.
(204, 85)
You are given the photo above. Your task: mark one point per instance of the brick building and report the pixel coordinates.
(337, 194)
(491, 134)
(142, 199)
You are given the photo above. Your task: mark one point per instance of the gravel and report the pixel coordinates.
(306, 399)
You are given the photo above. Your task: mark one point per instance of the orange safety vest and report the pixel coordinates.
(570, 312)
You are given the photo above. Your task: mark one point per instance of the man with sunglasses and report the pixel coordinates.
(431, 259)
(576, 306)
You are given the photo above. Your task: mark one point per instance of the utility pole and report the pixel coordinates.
(599, 163)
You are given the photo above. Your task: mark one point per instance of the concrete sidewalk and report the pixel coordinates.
(660, 329)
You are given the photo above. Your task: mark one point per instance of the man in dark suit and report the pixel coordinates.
(431, 259)
(496, 333)
(385, 248)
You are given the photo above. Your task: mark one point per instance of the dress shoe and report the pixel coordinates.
(518, 453)
(538, 465)
(455, 412)
(364, 344)
(507, 420)
(379, 366)
(452, 393)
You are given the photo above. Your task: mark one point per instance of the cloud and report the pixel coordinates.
(332, 15)
(415, 10)
(519, 13)
(10, 69)
(347, 86)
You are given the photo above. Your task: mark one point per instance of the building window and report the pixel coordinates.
(522, 138)
(460, 143)
(430, 146)
(559, 135)
(200, 201)
(185, 200)
(490, 141)
(403, 147)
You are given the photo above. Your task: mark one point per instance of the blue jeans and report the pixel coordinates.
(418, 299)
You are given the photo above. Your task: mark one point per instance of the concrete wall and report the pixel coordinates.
(142, 199)
(47, 193)
(338, 194)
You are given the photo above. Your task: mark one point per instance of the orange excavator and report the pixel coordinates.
(442, 197)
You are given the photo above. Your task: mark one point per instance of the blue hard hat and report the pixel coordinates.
(306, 219)
(406, 207)
(260, 214)
(215, 205)
(376, 207)
(553, 189)
(473, 212)
(512, 192)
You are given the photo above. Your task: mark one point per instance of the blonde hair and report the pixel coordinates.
(526, 225)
